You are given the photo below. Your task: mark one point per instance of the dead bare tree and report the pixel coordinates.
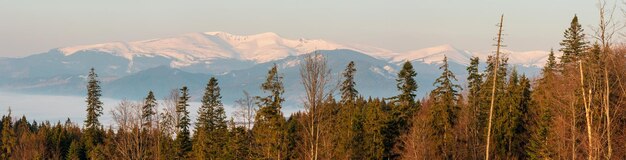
(315, 77)
(246, 110)
(493, 89)
(604, 33)
(127, 116)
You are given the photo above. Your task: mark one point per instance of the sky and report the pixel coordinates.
(29, 27)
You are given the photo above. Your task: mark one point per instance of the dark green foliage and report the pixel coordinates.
(402, 110)
(182, 144)
(406, 85)
(269, 126)
(76, 151)
(474, 82)
(294, 139)
(211, 133)
(148, 110)
(510, 134)
(348, 90)
(551, 64)
(94, 105)
(444, 112)
(574, 43)
(93, 133)
(378, 139)
(538, 147)
(238, 143)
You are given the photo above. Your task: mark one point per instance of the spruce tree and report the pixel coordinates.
(8, 137)
(538, 147)
(182, 144)
(237, 142)
(402, 110)
(510, 132)
(93, 134)
(407, 85)
(344, 118)
(211, 132)
(444, 112)
(348, 90)
(269, 127)
(75, 151)
(378, 138)
(551, 64)
(574, 43)
(94, 105)
(474, 80)
(148, 110)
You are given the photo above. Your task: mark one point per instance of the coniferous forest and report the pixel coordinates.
(575, 109)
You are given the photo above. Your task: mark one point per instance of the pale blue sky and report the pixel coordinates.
(29, 27)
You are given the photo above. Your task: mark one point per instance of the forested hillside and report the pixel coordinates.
(574, 110)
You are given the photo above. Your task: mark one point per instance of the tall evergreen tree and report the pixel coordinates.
(8, 139)
(407, 85)
(211, 132)
(474, 82)
(402, 111)
(182, 144)
(148, 110)
(574, 43)
(93, 134)
(94, 105)
(348, 90)
(538, 147)
(444, 112)
(346, 113)
(551, 64)
(269, 127)
(510, 134)
(376, 143)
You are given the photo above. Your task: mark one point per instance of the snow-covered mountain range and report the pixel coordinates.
(130, 69)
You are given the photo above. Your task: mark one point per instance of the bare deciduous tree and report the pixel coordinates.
(316, 79)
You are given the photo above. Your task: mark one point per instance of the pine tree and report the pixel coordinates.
(148, 110)
(8, 138)
(402, 110)
(407, 85)
(93, 134)
(551, 64)
(294, 138)
(345, 118)
(444, 112)
(237, 146)
(474, 80)
(182, 143)
(574, 43)
(538, 146)
(94, 105)
(378, 139)
(348, 90)
(510, 132)
(269, 127)
(211, 132)
(75, 151)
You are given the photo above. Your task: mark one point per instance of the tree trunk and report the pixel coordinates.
(493, 89)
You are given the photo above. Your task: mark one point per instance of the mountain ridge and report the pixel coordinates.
(203, 47)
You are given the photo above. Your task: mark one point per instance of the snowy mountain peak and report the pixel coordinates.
(193, 48)
(206, 47)
(435, 55)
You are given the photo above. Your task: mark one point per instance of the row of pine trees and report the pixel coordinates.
(574, 110)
